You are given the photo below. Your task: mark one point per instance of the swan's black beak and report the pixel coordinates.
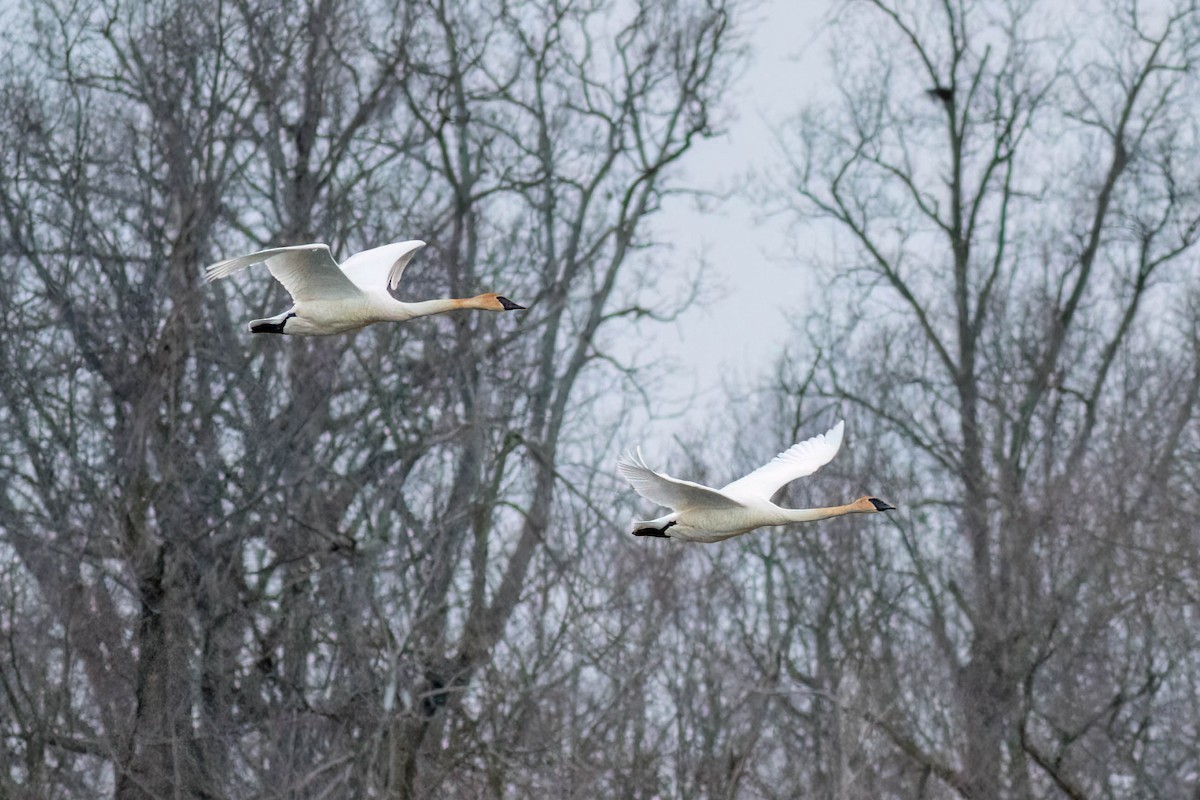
(509, 305)
(880, 505)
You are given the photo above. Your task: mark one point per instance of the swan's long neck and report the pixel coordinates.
(813, 514)
(425, 308)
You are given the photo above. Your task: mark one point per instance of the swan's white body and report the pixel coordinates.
(331, 298)
(704, 514)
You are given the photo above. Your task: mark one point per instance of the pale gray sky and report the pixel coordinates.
(755, 282)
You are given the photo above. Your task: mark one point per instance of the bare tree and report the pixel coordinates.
(1019, 207)
(285, 568)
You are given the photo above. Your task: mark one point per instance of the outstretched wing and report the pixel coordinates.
(381, 267)
(797, 461)
(668, 491)
(307, 271)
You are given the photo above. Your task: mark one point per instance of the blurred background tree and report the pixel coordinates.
(395, 565)
(240, 567)
(1011, 323)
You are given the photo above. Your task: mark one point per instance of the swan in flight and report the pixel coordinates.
(331, 298)
(708, 515)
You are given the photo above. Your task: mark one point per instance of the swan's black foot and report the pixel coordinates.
(272, 325)
(659, 532)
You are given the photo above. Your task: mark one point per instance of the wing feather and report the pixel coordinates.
(668, 491)
(797, 461)
(307, 271)
(381, 268)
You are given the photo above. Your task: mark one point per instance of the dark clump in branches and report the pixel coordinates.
(1012, 328)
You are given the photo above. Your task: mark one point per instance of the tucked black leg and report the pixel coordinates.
(659, 532)
(266, 326)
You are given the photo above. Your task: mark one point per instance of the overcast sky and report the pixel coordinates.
(755, 282)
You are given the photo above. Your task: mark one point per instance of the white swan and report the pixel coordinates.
(708, 515)
(329, 298)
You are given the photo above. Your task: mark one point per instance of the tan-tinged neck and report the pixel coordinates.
(425, 308)
(813, 514)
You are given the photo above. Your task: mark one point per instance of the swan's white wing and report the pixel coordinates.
(381, 267)
(797, 461)
(668, 491)
(307, 271)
